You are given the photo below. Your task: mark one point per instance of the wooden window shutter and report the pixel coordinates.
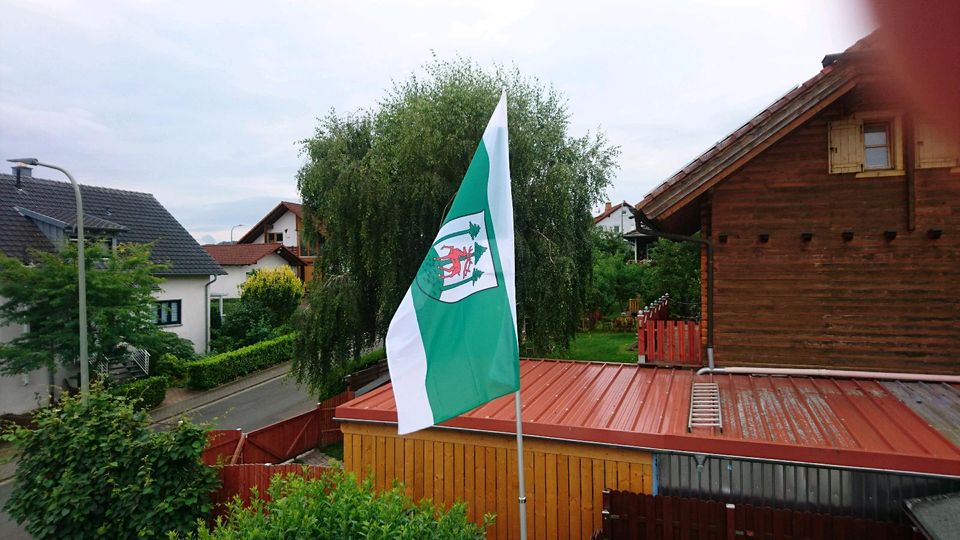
(846, 146)
(934, 149)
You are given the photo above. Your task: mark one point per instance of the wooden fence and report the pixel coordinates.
(564, 480)
(669, 342)
(237, 480)
(649, 517)
(655, 311)
(279, 441)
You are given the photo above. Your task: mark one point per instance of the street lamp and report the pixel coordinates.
(81, 275)
(231, 230)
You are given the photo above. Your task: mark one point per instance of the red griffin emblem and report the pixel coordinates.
(457, 261)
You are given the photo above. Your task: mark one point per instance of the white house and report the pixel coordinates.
(284, 225)
(615, 218)
(240, 260)
(619, 219)
(41, 214)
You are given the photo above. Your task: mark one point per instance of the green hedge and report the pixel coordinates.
(222, 368)
(150, 391)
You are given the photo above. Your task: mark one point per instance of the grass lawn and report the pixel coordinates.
(600, 346)
(334, 450)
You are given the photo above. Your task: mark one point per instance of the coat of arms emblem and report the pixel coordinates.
(459, 262)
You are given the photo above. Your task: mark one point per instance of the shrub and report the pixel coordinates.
(337, 506)
(276, 291)
(171, 366)
(144, 394)
(170, 343)
(100, 471)
(221, 368)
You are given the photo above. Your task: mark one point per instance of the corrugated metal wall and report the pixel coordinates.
(873, 495)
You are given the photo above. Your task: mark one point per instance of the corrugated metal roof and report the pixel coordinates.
(937, 403)
(840, 422)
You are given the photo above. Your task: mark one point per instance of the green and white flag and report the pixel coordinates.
(452, 344)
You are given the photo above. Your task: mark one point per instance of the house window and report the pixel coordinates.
(309, 249)
(168, 312)
(274, 237)
(876, 146)
(869, 144)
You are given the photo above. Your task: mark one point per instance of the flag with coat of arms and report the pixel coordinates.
(452, 344)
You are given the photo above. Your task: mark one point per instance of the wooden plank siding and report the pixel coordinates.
(868, 303)
(564, 481)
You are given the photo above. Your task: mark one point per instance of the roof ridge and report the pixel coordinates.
(89, 186)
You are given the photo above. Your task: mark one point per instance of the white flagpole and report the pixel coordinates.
(522, 495)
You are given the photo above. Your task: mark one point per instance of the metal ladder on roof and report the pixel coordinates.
(705, 406)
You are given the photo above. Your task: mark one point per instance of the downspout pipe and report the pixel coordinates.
(206, 310)
(645, 226)
(831, 373)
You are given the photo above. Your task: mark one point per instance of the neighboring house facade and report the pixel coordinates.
(618, 219)
(835, 220)
(38, 214)
(284, 225)
(240, 260)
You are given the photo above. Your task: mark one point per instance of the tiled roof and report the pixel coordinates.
(770, 125)
(142, 218)
(68, 218)
(606, 213)
(839, 422)
(244, 254)
(273, 215)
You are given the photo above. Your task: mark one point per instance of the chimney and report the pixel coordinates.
(609, 206)
(22, 171)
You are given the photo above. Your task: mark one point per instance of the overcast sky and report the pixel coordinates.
(202, 103)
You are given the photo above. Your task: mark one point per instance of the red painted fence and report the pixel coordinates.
(237, 480)
(669, 342)
(655, 311)
(279, 441)
(639, 516)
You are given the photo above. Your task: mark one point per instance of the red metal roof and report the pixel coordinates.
(840, 422)
(244, 254)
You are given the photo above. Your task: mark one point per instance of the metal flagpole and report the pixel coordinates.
(522, 495)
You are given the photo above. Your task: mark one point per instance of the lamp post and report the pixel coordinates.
(81, 276)
(231, 230)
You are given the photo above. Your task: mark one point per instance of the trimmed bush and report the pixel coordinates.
(145, 394)
(337, 506)
(222, 368)
(171, 366)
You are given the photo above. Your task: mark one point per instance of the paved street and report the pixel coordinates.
(248, 409)
(256, 407)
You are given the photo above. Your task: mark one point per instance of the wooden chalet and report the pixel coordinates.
(835, 220)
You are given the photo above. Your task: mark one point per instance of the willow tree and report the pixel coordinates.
(379, 181)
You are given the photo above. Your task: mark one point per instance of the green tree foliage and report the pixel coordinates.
(336, 506)
(615, 280)
(43, 295)
(267, 300)
(101, 471)
(674, 267)
(379, 181)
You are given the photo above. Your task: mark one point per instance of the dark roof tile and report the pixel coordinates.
(143, 218)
